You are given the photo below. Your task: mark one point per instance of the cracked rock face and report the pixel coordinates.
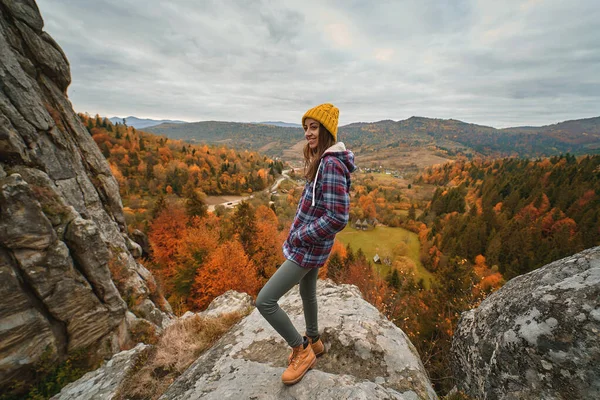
(367, 357)
(62, 228)
(538, 337)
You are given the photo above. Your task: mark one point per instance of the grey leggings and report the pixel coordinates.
(286, 276)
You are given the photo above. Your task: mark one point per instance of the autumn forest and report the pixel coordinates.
(477, 222)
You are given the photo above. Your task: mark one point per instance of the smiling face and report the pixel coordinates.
(311, 132)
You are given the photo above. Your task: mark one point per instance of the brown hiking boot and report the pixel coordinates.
(302, 359)
(318, 348)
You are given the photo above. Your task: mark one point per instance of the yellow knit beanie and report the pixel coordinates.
(327, 114)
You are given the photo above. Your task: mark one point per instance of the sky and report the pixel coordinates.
(497, 63)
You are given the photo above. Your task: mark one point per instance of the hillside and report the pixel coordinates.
(456, 137)
(383, 141)
(145, 164)
(281, 123)
(581, 131)
(518, 214)
(268, 139)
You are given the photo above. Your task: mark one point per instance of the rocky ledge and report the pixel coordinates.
(367, 357)
(538, 337)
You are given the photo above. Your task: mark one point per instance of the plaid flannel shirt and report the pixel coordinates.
(322, 211)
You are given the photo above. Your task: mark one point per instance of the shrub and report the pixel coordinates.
(49, 377)
(180, 345)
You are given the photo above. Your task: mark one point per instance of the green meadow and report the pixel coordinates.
(382, 240)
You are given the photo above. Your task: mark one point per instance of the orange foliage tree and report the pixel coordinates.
(229, 268)
(268, 255)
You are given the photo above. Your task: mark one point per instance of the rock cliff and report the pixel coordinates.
(538, 337)
(367, 357)
(62, 229)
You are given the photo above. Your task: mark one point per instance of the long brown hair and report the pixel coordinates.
(313, 157)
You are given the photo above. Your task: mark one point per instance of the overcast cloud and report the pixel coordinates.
(499, 63)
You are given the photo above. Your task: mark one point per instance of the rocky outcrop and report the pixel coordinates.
(367, 357)
(67, 272)
(538, 337)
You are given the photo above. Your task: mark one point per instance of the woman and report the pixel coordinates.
(322, 212)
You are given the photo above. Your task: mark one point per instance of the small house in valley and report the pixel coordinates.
(361, 224)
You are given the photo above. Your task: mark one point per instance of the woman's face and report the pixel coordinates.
(311, 132)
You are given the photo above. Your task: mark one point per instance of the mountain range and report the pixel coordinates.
(280, 123)
(444, 137)
(141, 123)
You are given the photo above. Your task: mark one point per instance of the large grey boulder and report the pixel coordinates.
(538, 337)
(367, 357)
(67, 265)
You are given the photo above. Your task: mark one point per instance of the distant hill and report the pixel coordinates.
(442, 137)
(280, 123)
(141, 123)
(456, 137)
(578, 131)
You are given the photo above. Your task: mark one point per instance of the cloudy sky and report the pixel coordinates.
(499, 63)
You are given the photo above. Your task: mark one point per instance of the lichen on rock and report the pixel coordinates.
(538, 337)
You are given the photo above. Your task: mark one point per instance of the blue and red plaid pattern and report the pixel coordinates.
(313, 230)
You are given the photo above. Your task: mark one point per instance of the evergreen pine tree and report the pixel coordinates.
(393, 279)
(244, 221)
(335, 266)
(159, 206)
(412, 212)
(195, 204)
(349, 259)
(90, 125)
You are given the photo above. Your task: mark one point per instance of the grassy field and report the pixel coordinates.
(414, 158)
(382, 240)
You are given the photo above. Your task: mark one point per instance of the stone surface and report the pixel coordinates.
(103, 383)
(134, 248)
(229, 302)
(65, 257)
(22, 221)
(367, 357)
(92, 257)
(141, 239)
(26, 332)
(538, 337)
